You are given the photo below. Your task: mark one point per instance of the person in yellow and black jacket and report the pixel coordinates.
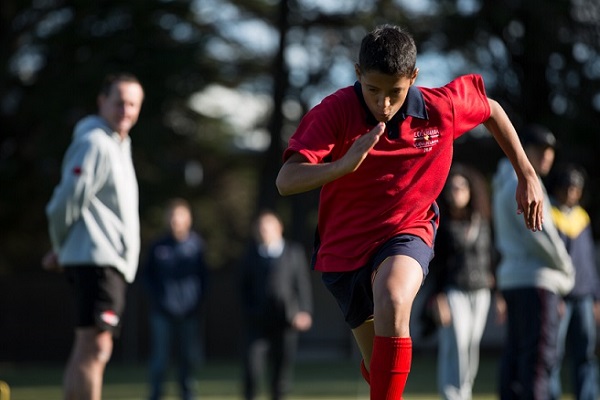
(577, 331)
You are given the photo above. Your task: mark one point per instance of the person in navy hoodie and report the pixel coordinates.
(577, 329)
(175, 276)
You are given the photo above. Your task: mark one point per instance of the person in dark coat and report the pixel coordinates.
(276, 299)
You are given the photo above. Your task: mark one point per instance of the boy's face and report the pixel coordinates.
(383, 93)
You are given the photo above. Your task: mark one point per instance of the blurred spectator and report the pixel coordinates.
(175, 276)
(277, 304)
(462, 272)
(577, 331)
(535, 270)
(93, 222)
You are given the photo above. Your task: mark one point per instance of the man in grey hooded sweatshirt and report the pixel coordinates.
(534, 272)
(93, 222)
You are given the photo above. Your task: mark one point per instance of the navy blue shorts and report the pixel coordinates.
(353, 290)
(99, 296)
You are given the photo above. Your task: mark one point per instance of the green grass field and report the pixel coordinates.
(327, 380)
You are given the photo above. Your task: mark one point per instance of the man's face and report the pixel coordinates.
(541, 158)
(122, 106)
(383, 93)
(180, 222)
(269, 229)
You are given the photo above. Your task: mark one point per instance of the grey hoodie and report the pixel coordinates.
(528, 259)
(93, 215)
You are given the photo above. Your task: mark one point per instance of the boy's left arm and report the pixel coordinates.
(529, 195)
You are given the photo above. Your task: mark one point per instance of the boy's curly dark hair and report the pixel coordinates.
(390, 50)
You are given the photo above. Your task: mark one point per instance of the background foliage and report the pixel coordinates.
(206, 63)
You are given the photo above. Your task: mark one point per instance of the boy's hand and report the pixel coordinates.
(361, 147)
(298, 176)
(530, 203)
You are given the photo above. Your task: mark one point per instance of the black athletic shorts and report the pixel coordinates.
(353, 290)
(99, 294)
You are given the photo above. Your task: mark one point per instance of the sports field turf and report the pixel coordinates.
(326, 380)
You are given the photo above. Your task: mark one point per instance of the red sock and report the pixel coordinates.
(390, 365)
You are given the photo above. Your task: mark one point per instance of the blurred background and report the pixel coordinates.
(226, 83)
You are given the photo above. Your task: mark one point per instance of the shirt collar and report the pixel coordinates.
(414, 105)
(272, 250)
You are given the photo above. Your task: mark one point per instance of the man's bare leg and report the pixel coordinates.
(85, 370)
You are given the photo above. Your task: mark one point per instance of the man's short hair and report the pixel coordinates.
(111, 79)
(538, 135)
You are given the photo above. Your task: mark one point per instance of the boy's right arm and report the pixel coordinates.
(529, 194)
(297, 175)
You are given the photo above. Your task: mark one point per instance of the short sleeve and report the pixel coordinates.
(469, 102)
(318, 131)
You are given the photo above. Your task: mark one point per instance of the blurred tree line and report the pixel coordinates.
(228, 80)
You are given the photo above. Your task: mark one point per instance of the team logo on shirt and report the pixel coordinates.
(427, 138)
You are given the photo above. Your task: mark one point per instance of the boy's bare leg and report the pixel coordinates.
(395, 286)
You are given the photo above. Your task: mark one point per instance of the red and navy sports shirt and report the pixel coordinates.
(394, 189)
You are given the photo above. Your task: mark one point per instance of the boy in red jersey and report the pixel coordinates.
(381, 151)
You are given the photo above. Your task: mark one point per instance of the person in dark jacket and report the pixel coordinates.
(462, 271)
(175, 276)
(277, 305)
(577, 329)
